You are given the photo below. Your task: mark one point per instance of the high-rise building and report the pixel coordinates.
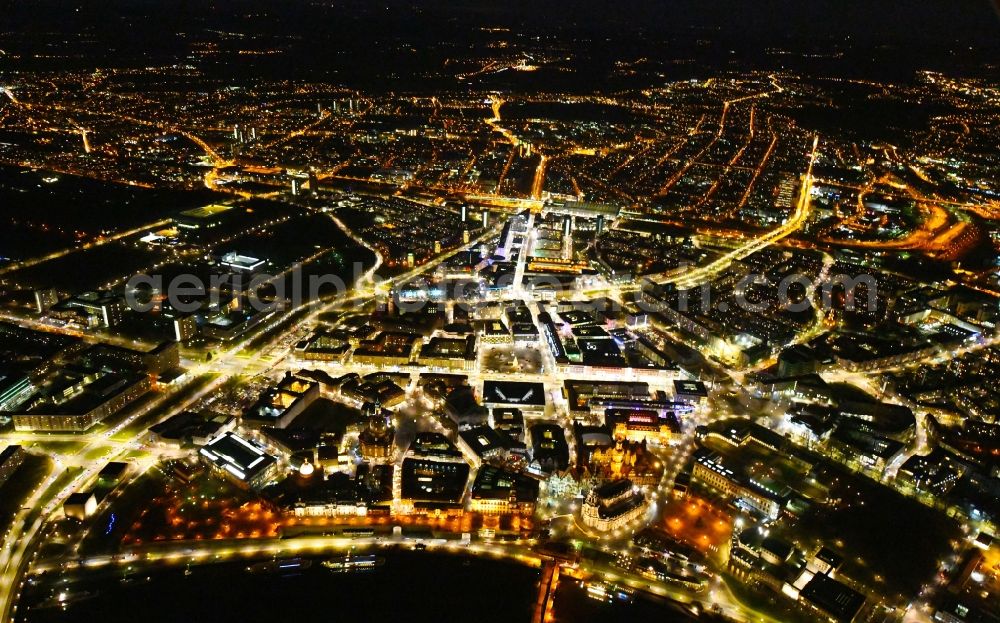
(185, 328)
(10, 459)
(107, 309)
(45, 299)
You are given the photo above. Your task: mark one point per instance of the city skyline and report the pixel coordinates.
(478, 311)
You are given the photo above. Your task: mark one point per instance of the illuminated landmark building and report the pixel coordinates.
(625, 459)
(612, 505)
(642, 425)
(378, 437)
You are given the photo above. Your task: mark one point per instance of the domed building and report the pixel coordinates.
(378, 438)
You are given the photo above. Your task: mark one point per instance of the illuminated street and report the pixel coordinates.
(661, 311)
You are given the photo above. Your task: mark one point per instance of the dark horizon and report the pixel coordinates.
(863, 38)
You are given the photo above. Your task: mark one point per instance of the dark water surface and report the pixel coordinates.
(408, 587)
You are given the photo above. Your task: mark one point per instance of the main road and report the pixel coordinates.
(29, 523)
(688, 278)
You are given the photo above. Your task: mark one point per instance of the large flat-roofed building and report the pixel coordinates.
(242, 263)
(80, 505)
(693, 392)
(102, 308)
(857, 446)
(496, 332)
(881, 418)
(433, 484)
(797, 360)
(485, 443)
(433, 445)
(387, 349)
(508, 421)
(498, 491)
(188, 427)
(838, 602)
(376, 387)
(463, 410)
(324, 346)
(239, 460)
(729, 481)
(279, 405)
(519, 394)
(961, 609)
(582, 396)
(525, 333)
(229, 324)
(165, 356)
(451, 353)
(586, 208)
(77, 400)
(204, 217)
(14, 390)
(549, 449)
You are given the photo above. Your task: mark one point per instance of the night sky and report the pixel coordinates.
(974, 21)
(371, 44)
